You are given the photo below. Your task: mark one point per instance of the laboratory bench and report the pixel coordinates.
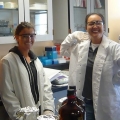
(59, 91)
(61, 66)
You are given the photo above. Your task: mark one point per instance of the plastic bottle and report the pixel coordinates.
(70, 110)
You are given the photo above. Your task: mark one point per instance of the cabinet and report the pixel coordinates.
(79, 10)
(11, 12)
(70, 15)
(38, 12)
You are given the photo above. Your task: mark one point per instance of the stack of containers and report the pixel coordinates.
(45, 60)
(50, 56)
(61, 59)
(58, 48)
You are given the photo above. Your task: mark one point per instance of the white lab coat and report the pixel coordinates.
(15, 88)
(105, 76)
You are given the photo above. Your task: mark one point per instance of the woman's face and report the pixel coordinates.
(26, 38)
(95, 27)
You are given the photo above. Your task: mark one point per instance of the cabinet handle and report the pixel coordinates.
(53, 32)
(69, 31)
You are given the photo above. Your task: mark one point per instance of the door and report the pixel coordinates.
(39, 13)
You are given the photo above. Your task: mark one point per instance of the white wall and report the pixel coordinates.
(60, 19)
(114, 19)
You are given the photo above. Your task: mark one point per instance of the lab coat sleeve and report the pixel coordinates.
(70, 42)
(7, 92)
(116, 77)
(67, 45)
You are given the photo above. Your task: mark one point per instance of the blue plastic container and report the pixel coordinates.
(55, 61)
(42, 58)
(47, 62)
(52, 54)
(52, 48)
(1, 6)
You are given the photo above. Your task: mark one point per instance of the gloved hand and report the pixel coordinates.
(48, 112)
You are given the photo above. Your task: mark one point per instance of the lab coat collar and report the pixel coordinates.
(105, 42)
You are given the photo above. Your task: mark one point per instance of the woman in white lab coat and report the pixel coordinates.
(95, 69)
(23, 82)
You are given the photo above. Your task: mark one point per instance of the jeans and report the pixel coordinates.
(89, 110)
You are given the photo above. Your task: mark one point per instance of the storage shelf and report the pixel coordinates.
(79, 7)
(6, 34)
(8, 8)
(38, 11)
(86, 8)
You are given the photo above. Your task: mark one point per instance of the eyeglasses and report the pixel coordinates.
(27, 36)
(97, 23)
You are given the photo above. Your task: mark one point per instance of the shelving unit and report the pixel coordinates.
(8, 9)
(22, 12)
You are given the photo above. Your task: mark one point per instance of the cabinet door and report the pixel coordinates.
(101, 6)
(39, 13)
(78, 11)
(80, 8)
(11, 12)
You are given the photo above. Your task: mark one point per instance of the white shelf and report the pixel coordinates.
(8, 8)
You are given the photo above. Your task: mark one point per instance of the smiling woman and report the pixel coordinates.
(95, 27)
(96, 81)
(23, 82)
(25, 36)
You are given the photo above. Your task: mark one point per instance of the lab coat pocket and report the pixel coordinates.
(108, 68)
(108, 64)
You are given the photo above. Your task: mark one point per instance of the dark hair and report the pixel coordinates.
(23, 25)
(88, 15)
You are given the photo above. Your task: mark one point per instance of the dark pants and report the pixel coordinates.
(89, 110)
(3, 114)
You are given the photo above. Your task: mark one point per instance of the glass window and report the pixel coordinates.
(39, 16)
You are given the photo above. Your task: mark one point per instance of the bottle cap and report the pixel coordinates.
(70, 92)
(72, 87)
